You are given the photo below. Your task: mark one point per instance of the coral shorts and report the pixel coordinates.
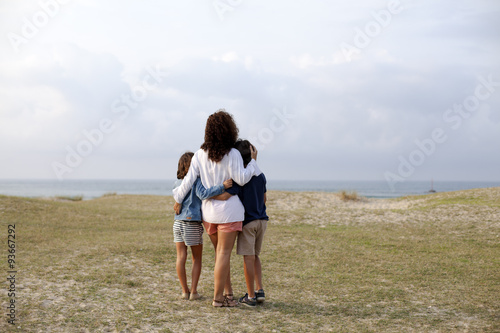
(212, 228)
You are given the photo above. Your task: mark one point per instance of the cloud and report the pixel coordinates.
(355, 117)
(50, 95)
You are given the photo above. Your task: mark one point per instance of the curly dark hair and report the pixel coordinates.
(184, 163)
(221, 133)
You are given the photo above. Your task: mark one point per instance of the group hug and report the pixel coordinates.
(221, 189)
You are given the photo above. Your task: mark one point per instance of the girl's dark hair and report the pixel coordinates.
(243, 147)
(184, 163)
(221, 133)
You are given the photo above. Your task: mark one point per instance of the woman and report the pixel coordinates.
(215, 162)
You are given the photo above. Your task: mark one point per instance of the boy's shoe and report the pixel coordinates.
(260, 296)
(251, 302)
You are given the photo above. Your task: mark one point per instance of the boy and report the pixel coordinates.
(253, 197)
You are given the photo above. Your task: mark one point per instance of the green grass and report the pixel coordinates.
(474, 197)
(109, 264)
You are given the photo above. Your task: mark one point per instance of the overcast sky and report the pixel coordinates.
(334, 90)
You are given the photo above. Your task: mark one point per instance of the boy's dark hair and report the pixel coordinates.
(184, 163)
(243, 147)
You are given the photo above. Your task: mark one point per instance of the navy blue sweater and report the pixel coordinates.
(252, 197)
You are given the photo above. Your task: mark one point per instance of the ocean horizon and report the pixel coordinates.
(90, 189)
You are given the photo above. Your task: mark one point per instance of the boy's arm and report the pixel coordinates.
(224, 196)
(204, 193)
(233, 190)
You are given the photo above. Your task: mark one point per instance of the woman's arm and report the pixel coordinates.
(188, 181)
(238, 172)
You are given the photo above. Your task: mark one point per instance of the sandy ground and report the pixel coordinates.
(322, 209)
(57, 298)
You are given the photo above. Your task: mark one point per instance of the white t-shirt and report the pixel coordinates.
(215, 173)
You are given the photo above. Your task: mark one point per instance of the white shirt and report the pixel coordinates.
(215, 173)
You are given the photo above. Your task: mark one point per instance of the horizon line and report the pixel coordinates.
(273, 179)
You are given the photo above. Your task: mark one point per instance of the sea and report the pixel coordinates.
(90, 189)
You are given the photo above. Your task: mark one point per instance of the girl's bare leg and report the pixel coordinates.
(180, 265)
(197, 252)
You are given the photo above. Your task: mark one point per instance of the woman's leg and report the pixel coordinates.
(228, 289)
(214, 240)
(197, 252)
(225, 246)
(181, 265)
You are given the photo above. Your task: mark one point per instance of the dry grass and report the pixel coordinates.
(349, 195)
(69, 198)
(422, 264)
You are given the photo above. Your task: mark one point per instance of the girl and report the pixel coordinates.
(188, 230)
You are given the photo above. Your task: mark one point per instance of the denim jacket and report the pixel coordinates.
(191, 205)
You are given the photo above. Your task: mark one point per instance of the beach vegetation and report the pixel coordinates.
(69, 197)
(106, 265)
(349, 195)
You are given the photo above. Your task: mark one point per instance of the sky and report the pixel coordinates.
(326, 90)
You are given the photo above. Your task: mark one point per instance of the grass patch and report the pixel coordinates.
(470, 198)
(349, 195)
(70, 197)
(109, 264)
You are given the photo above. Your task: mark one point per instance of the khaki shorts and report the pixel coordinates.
(250, 238)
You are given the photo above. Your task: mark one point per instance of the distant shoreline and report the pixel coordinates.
(360, 201)
(89, 189)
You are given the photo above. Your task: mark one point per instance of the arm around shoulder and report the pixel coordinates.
(187, 183)
(238, 172)
(204, 193)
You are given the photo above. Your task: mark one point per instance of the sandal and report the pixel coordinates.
(226, 303)
(194, 297)
(228, 296)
